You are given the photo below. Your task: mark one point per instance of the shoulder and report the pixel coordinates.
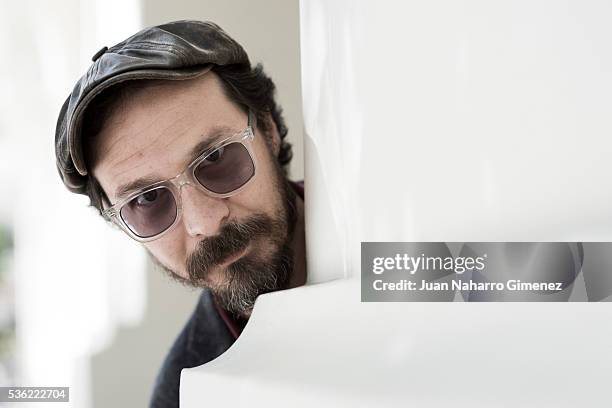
(203, 338)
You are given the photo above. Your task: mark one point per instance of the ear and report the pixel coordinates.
(272, 138)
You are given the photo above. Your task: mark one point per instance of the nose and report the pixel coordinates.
(202, 215)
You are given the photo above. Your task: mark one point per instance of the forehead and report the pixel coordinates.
(153, 132)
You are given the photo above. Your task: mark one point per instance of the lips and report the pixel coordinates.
(234, 257)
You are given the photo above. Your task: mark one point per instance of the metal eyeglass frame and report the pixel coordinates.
(187, 176)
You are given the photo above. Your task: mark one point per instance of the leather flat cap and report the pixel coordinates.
(174, 51)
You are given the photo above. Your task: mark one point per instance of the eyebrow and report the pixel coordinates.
(217, 134)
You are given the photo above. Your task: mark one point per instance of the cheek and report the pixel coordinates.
(170, 251)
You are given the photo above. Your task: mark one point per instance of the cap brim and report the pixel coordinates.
(74, 126)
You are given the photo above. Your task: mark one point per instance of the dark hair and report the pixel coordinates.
(250, 88)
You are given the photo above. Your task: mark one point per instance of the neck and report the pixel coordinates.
(298, 245)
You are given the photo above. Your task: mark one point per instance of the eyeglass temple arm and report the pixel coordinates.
(252, 120)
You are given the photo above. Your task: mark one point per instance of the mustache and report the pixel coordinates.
(232, 238)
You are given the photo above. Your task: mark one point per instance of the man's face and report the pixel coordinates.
(237, 246)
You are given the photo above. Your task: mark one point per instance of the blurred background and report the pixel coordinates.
(80, 305)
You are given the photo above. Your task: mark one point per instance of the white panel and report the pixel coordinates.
(455, 121)
(437, 121)
(317, 346)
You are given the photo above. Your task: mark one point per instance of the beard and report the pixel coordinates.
(267, 267)
(260, 271)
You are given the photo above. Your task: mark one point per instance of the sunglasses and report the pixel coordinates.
(221, 171)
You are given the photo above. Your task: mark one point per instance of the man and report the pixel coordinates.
(177, 140)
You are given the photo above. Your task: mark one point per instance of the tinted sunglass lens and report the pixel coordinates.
(150, 213)
(226, 169)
